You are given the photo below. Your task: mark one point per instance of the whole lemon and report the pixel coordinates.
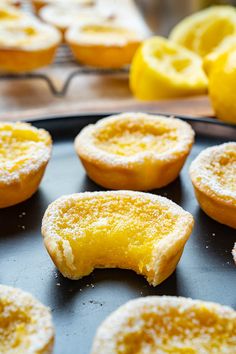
(222, 90)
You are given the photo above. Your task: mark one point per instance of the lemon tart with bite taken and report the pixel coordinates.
(120, 229)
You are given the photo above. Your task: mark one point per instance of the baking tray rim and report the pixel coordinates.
(100, 115)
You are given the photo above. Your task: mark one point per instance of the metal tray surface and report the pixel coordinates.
(206, 270)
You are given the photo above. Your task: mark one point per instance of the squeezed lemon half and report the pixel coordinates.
(163, 69)
(222, 93)
(229, 43)
(203, 31)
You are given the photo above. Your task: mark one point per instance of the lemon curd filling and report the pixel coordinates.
(176, 334)
(127, 139)
(168, 325)
(122, 231)
(14, 328)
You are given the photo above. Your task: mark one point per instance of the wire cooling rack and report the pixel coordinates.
(64, 58)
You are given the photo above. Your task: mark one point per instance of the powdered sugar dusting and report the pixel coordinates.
(27, 318)
(167, 324)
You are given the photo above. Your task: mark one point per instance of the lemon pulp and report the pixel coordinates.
(113, 231)
(163, 69)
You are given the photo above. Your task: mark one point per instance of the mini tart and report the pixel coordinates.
(122, 229)
(167, 324)
(213, 174)
(27, 44)
(134, 150)
(104, 45)
(24, 154)
(25, 324)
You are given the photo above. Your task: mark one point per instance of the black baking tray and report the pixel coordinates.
(206, 270)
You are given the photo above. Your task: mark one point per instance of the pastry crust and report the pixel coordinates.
(122, 229)
(165, 324)
(134, 151)
(213, 174)
(24, 154)
(27, 44)
(103, 44)
(25, 324)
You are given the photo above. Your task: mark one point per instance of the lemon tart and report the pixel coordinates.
(25, 324)
(103, 44)
(134, 150)
(24, 154)
(122, 229)
(27, 44)
(165, 324)
(213, 175)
